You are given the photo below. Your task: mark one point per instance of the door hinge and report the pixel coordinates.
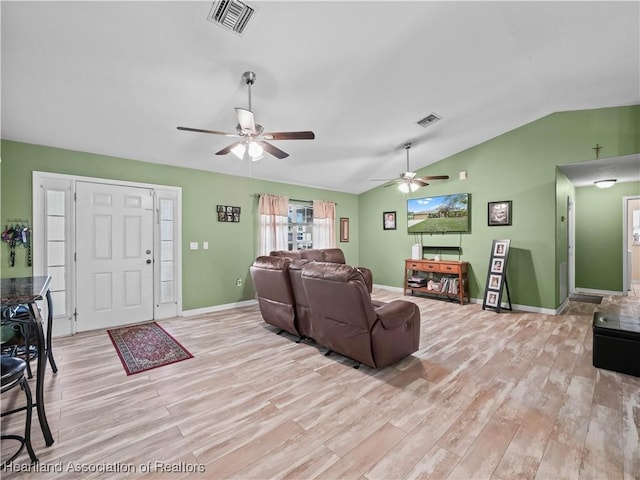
(75, 315)
(75, 196)
(75, 257)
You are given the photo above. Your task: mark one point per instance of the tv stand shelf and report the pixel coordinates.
(450, 276)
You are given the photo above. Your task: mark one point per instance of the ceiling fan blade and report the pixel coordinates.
(228, 148)
(394, 182)
(246, 120)
(200, 130)
(275, 151)
(289, 135)
(419, 182)
(433, 177)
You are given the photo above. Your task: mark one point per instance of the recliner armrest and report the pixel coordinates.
(392, 315)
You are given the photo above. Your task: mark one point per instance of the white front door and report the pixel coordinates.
(114, 255)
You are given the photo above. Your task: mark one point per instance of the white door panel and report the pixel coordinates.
(114, 255)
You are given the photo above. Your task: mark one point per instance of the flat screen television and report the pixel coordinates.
(439, 214)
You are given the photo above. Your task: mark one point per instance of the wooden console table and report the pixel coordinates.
(438, 277)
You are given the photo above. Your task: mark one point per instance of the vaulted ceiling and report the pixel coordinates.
(117, 78)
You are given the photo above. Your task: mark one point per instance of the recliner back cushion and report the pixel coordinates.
(341, 307)
(333, 255)
(292, 254)
(312, 254)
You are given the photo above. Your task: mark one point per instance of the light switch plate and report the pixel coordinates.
(205, 245)
(193, 245)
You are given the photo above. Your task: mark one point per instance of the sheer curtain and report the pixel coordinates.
(273, 214)
(324, 224)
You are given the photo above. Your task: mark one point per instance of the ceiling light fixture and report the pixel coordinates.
(255, 151)
(605, 183)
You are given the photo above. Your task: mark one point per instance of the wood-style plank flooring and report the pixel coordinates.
(488, 396)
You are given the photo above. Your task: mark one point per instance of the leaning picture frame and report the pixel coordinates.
(499, 213)
(497, 265)
(500, 249)
(389, 220)
(492, 299)
(495, 282)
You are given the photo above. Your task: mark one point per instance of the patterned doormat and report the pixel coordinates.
(586, 298)
(146, 346)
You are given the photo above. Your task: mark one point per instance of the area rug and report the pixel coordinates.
(586, 298)
(146, 346)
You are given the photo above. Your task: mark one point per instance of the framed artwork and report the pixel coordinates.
(497, 265)
(344, 229)
(389, 220)
(499, 213)
(500, 249)
(492, 299)
(495, 281)
(227, 213)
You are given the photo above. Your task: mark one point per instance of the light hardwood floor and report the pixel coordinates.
(488, 396)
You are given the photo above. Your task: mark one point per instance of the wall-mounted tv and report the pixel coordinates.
(440, 214)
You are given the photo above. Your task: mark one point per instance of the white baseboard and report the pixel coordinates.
(591, 291)
(217, 308)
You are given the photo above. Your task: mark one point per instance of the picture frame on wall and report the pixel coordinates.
(228, 213)
(389, 220)
(344, 229)
(499, 213)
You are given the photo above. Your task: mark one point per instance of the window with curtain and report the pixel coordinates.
(272, 223)
(324, 224)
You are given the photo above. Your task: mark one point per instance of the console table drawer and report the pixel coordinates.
(424, 267)
(447, 268)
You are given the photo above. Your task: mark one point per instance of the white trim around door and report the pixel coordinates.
(54, 244)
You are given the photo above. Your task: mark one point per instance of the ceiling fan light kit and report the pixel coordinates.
(252, 135)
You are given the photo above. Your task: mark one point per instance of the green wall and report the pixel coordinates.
(208, 275)
(599, 222)
(520, 166)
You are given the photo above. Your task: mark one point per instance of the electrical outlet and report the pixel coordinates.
(238, 282)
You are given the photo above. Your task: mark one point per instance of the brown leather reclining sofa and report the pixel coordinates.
(331, 304)
(331, 255)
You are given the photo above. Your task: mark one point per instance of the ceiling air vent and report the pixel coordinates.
(231, 14)
(428, 120)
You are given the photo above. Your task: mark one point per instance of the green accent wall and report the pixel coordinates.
(520, 166)
(209, 276)
(599, 223)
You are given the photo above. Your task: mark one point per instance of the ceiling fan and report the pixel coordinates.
(252, 136)
(408, 182)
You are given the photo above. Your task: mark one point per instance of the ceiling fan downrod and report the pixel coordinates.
(249, 78)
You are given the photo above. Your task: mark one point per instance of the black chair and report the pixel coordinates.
(13, 374)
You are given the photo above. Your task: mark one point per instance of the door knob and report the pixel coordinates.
(148, 260)
(148, 252)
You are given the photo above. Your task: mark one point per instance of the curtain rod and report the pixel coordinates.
(292, 199)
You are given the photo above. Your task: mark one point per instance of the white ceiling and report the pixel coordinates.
(116, 78)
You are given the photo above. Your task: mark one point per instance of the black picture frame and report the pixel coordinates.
(228, 213)
(499, 213)
(389, 221)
